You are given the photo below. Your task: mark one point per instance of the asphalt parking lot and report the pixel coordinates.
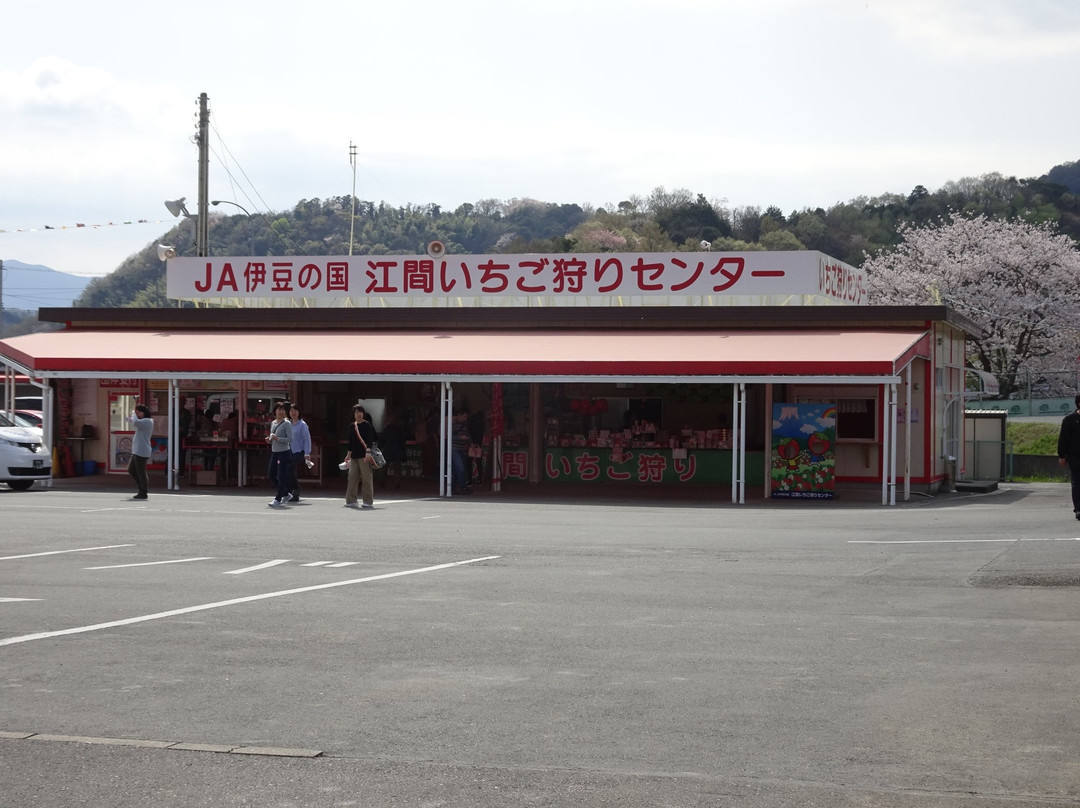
(202, 649)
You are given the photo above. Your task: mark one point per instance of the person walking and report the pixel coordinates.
(360, 435)
(1069, 452)
(185, 431)
(207, 427)
(301, 450)
(459, 460)
(140, 449)
(280, 440)
(477, 425)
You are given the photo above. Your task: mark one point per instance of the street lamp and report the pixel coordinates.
(251, 236)
(227, 202)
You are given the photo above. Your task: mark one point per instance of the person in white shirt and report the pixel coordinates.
(140, 449)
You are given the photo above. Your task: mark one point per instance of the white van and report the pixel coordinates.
(24, 457)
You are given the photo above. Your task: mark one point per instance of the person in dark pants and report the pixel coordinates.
(476, 425)
(301, 449)
(140, 449)
(185, 431)
(280, 440)
(361, 434)
(459, 440)
(1069, 452)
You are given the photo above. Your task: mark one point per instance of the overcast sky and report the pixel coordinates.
(794, 103)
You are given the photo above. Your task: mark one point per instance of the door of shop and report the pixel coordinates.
(121, 406)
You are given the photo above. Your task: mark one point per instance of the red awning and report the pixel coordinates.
(186, 354)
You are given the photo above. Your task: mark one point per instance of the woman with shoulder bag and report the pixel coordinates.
(360, 435)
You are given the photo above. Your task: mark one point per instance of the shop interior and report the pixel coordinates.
(223, 428)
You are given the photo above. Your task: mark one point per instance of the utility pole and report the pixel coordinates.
(1, 298)
(352, 219)
(202, 218)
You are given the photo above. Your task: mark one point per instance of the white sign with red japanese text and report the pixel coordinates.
(561, 279)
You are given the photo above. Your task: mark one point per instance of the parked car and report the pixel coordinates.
(32, 417)
(24, 457)
(30, 403)
(18, 419)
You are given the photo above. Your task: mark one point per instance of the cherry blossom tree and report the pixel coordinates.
(600, 239)
(1019, 282)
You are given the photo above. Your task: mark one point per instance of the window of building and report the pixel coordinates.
(856, 414)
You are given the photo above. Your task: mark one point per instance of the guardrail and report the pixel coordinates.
(1026, 406)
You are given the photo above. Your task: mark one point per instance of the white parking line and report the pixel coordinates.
(152, 563)
(343, 564)
(16, 600)
(931, 541)
(108, 510)
(58, 552)
(205, 606)
(948, 541)
(273, 563)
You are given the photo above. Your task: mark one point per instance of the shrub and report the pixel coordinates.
(1033, 438)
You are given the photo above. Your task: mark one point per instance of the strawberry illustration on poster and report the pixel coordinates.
(803, 458)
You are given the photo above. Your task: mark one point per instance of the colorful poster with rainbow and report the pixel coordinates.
(803, 451)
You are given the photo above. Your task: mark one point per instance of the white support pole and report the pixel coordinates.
(893, 397)
(446, 445)
(742, 443)
(176, 403)
(442, 439)
(170, 443)
(48, 434)
(449, 478)
(885, 445)
(907, 437)
(734, 442)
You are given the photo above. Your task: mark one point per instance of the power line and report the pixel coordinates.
(289, 244)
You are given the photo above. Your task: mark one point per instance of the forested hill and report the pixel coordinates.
(665, 220)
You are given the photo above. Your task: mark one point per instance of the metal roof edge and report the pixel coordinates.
(675, 318)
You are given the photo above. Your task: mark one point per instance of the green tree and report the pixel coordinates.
(692, 221)
(781, 240)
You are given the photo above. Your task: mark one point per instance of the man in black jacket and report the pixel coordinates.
(1069, 452)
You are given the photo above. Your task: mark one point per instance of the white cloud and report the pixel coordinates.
(985, 29)
(75, 136)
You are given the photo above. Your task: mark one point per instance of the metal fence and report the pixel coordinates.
(995, 460)
(988, 460)
(1041, 467)
(1031, 407)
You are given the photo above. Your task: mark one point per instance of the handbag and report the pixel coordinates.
(374, 452)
